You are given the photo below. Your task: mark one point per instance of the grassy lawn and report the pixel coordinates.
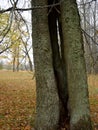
(18, 96)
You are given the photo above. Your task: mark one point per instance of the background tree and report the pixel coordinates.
(15, 40)
(88, 11)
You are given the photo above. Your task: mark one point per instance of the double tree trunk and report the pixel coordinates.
(76, 73)
(50, 58)
(47, 116)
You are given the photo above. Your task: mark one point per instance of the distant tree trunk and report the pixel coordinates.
(27, 53)
(47, 109)
(30, 62)
(14, 59)
(76, 70)
(87, 46)
(13, 64)
(17, 57)
(94, 46)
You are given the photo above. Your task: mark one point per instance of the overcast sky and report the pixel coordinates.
(21, 3)
(4, 4)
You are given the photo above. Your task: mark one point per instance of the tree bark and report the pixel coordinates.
(47, 108)
(57, 58)
(59, 68)
(76, 71)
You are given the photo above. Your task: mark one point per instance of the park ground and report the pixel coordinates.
(18, 100)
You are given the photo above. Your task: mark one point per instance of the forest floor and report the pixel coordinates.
(18, 100)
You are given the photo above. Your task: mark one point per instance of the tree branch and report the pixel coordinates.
(28, 9)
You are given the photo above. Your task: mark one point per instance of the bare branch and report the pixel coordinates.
(86, 3)
(7, 29)
(5, 49)
(89, 37)
(8, 47)
(28, 9)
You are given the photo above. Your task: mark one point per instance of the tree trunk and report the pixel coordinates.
(76, 71)
(17, 58)
(47, 108)
(13, 64)
(59, 70)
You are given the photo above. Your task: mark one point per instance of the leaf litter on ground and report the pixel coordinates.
(18, 100)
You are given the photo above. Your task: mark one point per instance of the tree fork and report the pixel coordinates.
(58, 63)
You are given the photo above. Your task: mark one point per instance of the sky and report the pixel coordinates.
(4, 4)
(7, 3)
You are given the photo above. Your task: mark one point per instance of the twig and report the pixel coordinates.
(33, 7)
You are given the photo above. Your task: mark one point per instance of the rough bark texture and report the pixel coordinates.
(47, 109)
(59, 69)
(57, 57)
(76, 72)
